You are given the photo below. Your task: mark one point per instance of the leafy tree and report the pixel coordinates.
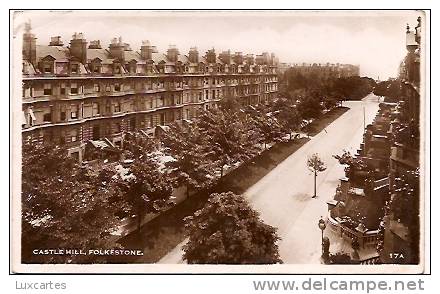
(389, 89)
(381, 88)
(192, 166)
(226, 136)
(228, 231)
(267, 126)
(330, 89)
(357, 170)
(288, 117)
(316, 165)
(146, 188)
(64, 205)
(353, 88)
(230, 104)
(310, 106)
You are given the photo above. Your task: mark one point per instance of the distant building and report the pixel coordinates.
(81, 92)
(321, 70)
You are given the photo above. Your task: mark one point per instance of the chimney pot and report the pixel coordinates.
(95, 44)
(56, 41)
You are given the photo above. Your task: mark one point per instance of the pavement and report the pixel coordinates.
(284, 196)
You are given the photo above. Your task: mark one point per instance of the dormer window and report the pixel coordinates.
(74, 68)
(47, 64)
(117, 69)
(149, 68)
(47, 68)
(96, 66)
(132, 67)
(161, 67)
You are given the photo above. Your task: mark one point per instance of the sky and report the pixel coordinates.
(374, 40)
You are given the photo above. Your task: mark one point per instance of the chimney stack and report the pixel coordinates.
(211, 57)
(272, 58)
(78, 47)
(172, 53)
(29, 49)
(266, 58)
(225, 56)
(238, 58)
(117, 49)
(260, 60)
(193, 55)
(146, 50)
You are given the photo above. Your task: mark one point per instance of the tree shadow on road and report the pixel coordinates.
(302, 197)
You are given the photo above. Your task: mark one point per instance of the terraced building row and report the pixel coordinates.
(82, 92)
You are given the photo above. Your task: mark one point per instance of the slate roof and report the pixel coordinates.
(102, 54)
(60, 53)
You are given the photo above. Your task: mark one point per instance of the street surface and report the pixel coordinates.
(283, 196)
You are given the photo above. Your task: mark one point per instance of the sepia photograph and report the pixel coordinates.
(220, 141)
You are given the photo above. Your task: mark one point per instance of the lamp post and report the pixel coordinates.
(322, 225)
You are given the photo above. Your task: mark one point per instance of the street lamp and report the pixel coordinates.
(322, 225)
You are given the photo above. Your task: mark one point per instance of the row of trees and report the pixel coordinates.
(389, 89)
(69, 205)
(225, 136)
(314, 92)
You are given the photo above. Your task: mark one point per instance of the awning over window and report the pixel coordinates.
(99, 144)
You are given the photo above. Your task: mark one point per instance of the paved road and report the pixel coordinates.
(283, 196)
